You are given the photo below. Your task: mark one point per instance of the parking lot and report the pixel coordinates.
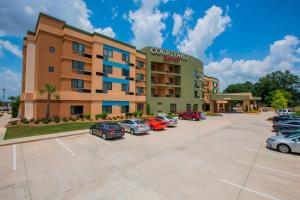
(220, 158)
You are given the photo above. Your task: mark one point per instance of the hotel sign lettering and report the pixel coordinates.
(169, 55)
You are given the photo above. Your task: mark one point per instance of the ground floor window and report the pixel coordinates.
(125, 87)
(188, 107)
(195, 107)
(76, 110)
(106, 109)
(173, 108)
(124, 109)
(140, 107)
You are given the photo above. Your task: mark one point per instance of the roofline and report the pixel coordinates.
(211, 77)
(78, 30)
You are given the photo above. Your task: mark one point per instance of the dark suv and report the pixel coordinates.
(107, 130)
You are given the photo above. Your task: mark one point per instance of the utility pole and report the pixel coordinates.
(3, 99)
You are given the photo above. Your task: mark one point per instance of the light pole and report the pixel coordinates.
(3, 99)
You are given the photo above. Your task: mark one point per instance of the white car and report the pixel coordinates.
(284, 112)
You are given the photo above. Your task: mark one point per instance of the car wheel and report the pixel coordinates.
(91, 132)
(194, 119)
(151, 128)
(104, 136)
(132, 131)
(283, 148)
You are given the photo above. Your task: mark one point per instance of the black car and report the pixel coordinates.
(285, 118)
(286, 125)
(107, 130)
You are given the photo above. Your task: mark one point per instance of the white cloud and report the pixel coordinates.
(147, 23)
(11, 81)
(205, 31)
(283, 55)
(17, 17)
(181, 23)
(177, 23)
(8, 46)
(108, 31)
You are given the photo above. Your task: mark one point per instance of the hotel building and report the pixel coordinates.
(93, 73)
(211, 86)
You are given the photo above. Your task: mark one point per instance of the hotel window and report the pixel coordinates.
(50, 69)
(173, 108)
(107, 69)
(188, 107)
(171, 80)
(76, 110)
(140, 90)
(77, 65)
(140, 64)
(78, 84)
(125, 57)
(106, 109)
(140, 107)
(140, 77)
(124, 109)
(107, 53)
(52, 49)
(195, 107)
(196, 94)
(78, 47)
(107, 85)
(125, 87)
(125, 72)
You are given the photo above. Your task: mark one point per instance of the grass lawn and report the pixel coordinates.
(298, 113)
(25, 131)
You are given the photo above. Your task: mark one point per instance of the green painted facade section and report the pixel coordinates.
(187, 68)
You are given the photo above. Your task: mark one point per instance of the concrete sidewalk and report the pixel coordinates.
(42, 137)
(3, 121)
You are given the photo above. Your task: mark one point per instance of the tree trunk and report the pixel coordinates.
(48, 106)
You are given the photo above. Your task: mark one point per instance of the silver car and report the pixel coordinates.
(135, 126)
(285, 143)
(170, 121)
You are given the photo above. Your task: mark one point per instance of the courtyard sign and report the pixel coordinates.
(169, 55)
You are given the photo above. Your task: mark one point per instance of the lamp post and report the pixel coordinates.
(3, 99)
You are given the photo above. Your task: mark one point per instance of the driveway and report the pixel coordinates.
(221, 158)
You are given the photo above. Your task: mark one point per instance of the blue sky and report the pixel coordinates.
(237, 40)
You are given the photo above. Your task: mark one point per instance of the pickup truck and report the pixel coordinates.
(191, 115)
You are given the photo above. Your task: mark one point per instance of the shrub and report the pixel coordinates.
(31, 120)
(46, 120)
(65, 119)
(148, 109)
(135, 114)
(82, 119)
(87, 115)
(98, 116)
(109, 118)
(14, 122)
(37, 121)
(140, 113)
(56, 119)
(77, 117)
(114, 118)
(24, 120)
(118, 117)
(121, 117)
(104, 115)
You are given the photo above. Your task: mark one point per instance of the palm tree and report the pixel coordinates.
(50, 90)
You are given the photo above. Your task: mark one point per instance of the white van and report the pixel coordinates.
(284, 112)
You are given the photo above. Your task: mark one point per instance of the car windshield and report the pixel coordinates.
(168, 117)
(292, 136)
(139, 122)
(112, 125)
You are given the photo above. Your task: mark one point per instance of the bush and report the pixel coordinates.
(135, 114)
(118, 117)
(24, 120)
(109, 118)
(121, 117)
(70, 118)
(14, 122)
(140, 113)
(37, 121)
(114, 118)
(31, 120)
(56, 119)
(65, 119)
(104, 115)
(98, 116)
(148, 109)
(46, 120)
(87, 116)
(77, 117)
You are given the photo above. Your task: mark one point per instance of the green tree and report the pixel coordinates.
(50, 90)
(241, 87)
(279, 100)
(279, 80)
(15, 105)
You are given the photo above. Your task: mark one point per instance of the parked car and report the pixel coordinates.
(286, 125)
(192, 115)
(285, 143)
(288, 132)
(284, 112)
(285, 118)
(135, 126)
(170, 121)
(107, 130)
(155, 124)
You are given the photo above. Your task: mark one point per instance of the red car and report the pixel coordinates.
(190, 115)
(155, 124)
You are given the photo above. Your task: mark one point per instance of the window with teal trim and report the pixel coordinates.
(78, 65)
(78, 47)
(140, 77)
(107, 53)
(125, 87)
(124, 109)
(125, 57)
(106, 109)
(140, 64)
(125, 72)
(106, 85)
(107, 69)
(78, 84)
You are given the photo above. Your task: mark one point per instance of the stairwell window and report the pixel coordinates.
(107, 69)
(125, 57)
(125, 87)
(106, 85)
(78, 47)
(107, 53)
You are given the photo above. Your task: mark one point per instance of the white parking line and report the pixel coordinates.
(249, 190)
(67, 148)
(14, 158)
(100, 139)
(268, 168)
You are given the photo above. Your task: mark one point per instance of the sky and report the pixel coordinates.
(237, 41)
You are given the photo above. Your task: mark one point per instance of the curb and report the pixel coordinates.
(42, 137)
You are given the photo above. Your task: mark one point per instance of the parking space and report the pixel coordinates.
(219, 158)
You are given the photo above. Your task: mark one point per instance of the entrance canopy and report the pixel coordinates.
(235, 96)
